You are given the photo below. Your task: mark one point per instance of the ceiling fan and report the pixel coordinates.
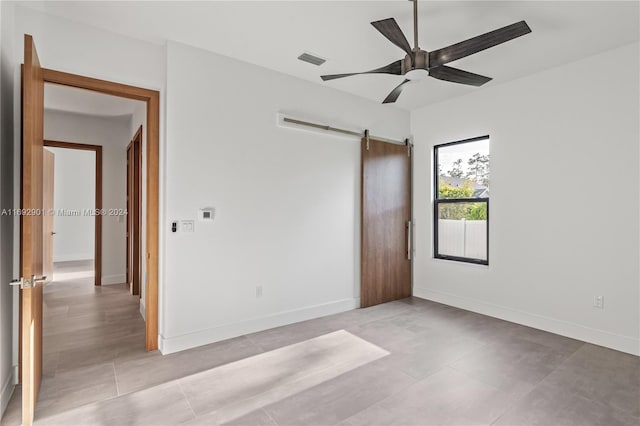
(419, 63)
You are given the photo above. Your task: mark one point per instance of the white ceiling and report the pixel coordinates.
(71, 99)
(273, 34)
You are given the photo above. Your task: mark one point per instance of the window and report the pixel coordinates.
(461, 206)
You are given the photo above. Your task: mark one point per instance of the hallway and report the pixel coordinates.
(87, 330)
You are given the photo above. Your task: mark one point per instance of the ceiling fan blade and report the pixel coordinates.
(455, 75)
(393, 96)
(477, 44)
(394, 68)
(391, 30)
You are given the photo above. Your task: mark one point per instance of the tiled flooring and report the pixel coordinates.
(426, 364)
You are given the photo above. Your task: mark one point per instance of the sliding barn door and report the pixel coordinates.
(386, 222)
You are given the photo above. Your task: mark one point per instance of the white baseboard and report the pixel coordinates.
(143, 311)
(564, 328)
(67, 257)
(169, 345)
(113, 279)
(7, 390)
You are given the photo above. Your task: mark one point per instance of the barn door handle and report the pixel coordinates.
(408, 227)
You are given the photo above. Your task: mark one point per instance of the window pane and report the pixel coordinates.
(462, 230)
(463, 170)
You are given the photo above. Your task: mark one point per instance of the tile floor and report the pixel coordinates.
(444, 366)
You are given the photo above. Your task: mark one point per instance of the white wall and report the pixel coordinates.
(7, 72)
(286, 200)
(69, 46)
(112, 133)
(564, 200)
(74, 190)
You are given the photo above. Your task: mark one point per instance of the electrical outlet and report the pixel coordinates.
(258, 291)
(598, 302)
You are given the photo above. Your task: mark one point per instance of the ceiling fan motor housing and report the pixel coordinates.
(418, 59)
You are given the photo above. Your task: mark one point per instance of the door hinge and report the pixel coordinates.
(409, 146)
(366, 138)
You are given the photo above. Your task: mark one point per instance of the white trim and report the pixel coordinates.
(113, 279)
(7, 391)
(68, 257)
(143, 310)
(564, 328)
(169, 345)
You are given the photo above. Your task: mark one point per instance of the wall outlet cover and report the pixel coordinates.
(598, 302)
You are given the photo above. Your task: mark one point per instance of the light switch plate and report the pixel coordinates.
(187, 225)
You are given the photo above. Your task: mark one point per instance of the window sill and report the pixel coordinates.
(464, 260)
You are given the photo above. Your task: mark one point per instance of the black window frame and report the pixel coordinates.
(437, 201)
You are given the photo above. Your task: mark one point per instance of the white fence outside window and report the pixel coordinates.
(462, 238)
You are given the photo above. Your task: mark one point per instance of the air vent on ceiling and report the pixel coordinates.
(312, 59)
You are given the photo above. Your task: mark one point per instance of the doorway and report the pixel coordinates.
(151, 98)
(63, 211)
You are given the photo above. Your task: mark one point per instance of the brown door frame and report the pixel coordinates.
(152, 100)
(134, 211)
(128, 272)
(97, 251)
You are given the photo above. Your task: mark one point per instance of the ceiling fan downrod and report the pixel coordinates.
(418, 59)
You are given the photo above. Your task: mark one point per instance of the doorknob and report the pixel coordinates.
(35, 280)
(53, 233)
(28, 283)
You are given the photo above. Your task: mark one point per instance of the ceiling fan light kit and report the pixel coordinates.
(417, 74)
(419, 64)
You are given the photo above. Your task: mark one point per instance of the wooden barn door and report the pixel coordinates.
(386, 222)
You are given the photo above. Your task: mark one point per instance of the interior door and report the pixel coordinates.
(136, 212)
(129, 217)
(48, 175)
(31, 242)
(386, 222)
